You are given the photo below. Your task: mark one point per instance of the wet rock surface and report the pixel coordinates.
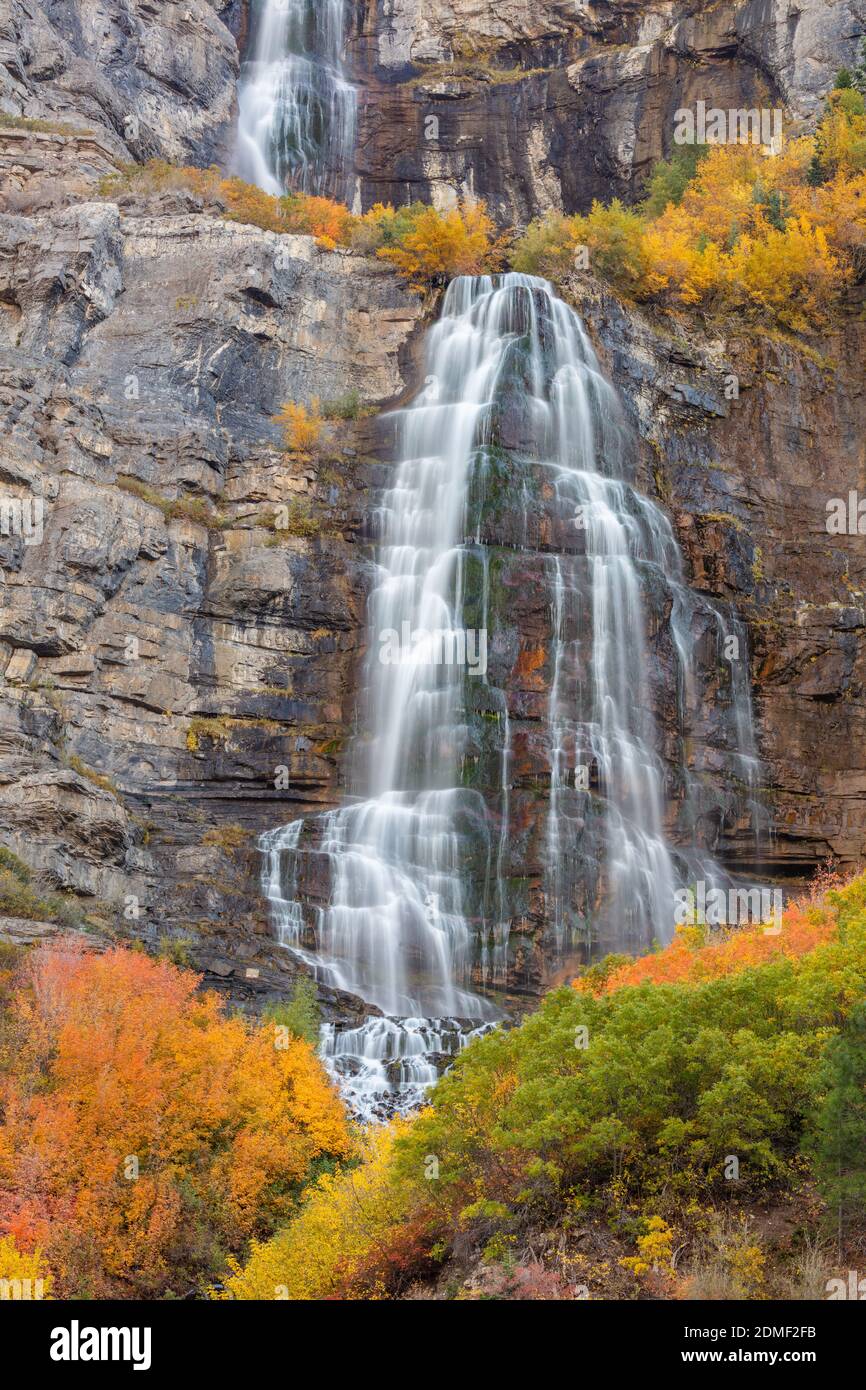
(747, 479)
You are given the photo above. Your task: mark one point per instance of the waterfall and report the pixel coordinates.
(296, 121)
(394, 896)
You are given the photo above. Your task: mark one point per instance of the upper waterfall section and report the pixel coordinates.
(296, 122)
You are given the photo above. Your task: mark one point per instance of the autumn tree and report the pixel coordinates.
(439, 245)
(146, 1133)
(728, 230)
(349, 1224)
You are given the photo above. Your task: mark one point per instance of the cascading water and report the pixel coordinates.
(296, 122)
(386, 897)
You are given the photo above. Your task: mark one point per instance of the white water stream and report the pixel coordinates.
(393, 924)
(296, 122)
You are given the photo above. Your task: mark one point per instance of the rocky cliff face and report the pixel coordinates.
(540, 104)
(163, 632)
(157, 79)
(531, 104)
(166, 651)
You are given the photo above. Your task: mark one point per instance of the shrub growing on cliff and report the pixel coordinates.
(20, 898)
(244, 202)
(617, 250)
(329, 222)
(613, 238)
(144, 1132)
(774, 239)
(425, 245)
(671, 177)
(346, 407)
(547, 247)
(436, 246)
(302, 425)
(301, 213)
(840, 139)
(384, 226)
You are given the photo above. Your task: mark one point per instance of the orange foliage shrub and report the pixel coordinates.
(329, 222)
(692, 959)
(302, 213)
(145, 1133)
(424, 245)
(244, 202)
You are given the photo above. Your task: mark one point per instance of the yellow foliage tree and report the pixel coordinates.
(792, 275)
(439, 245)
(329, 222)
(840, 140)
(669, 244)
(838, 208)
(244, 202)
(615, 239)
(719, 202)
(23, 1274)
(776, 239)
(346, 1219)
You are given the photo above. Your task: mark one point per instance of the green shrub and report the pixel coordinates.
(346, 407)
(614, 236)
(176, 949)
(670, 178)
(42, 127)
(673, 1078)
(295, 518)
(837, 1138)
(547, 247)
(384, 226)
(18, 898)
(195, 509)
(14, 865)
(300, 1014)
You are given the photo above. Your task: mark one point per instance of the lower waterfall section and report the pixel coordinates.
(408, 896)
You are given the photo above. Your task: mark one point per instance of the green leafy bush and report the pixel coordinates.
(838, 1137)
(301, 1014)
(670, 178)
(674, 1077)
